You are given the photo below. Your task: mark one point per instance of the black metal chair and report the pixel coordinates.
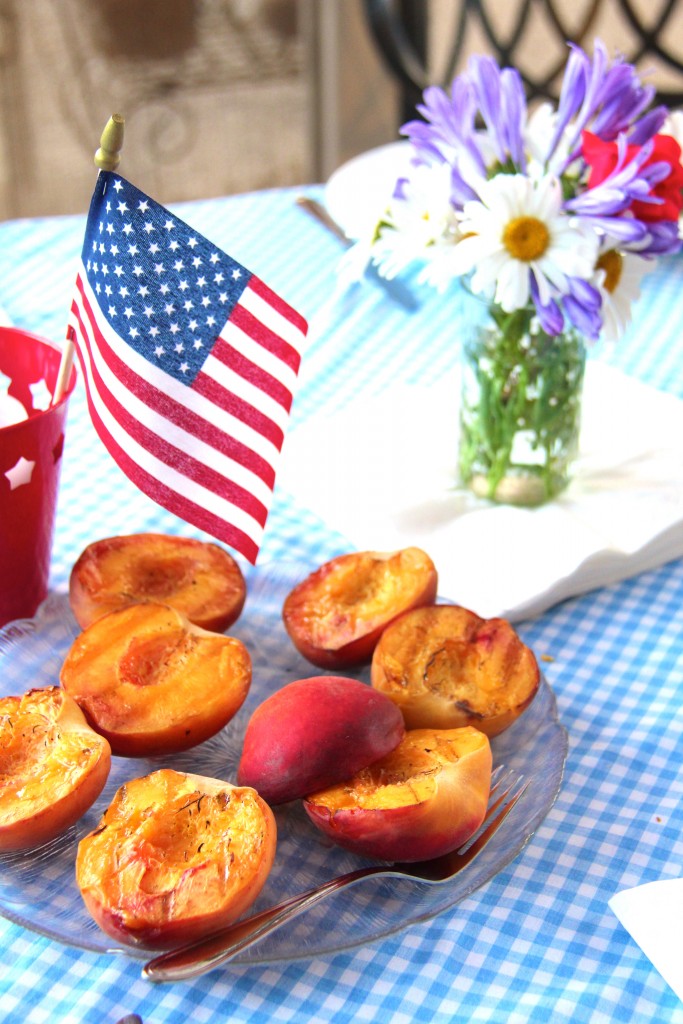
(400, 29)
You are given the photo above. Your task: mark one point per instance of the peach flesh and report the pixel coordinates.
(337, 614)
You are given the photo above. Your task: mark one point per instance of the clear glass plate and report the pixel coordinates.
(38, 889)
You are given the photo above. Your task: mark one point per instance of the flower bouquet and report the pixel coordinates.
(549, 219)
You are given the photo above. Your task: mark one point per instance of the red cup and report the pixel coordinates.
(30, 464)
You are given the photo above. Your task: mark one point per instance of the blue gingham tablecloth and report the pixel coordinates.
(538, 942)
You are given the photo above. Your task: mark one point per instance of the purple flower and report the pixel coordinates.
(620, 101)
(461, 192)
(610, 99)
(484, 74)
(582, 306)
(549, 313)
(448, 127)
(514, 113)
(649, 125)
(605, 204)
(661, 239)
(572, 95)
(448, 131)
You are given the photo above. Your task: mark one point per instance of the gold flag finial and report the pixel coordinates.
(108, 155)
(107, 159)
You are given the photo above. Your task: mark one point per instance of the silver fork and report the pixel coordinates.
(199, 957)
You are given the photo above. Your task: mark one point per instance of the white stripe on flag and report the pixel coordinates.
(172, 433)
(202, 406)
(269, 316)
(259, 355)
(175, 481)
(237, 385)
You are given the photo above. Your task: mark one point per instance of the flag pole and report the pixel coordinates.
(106, 158)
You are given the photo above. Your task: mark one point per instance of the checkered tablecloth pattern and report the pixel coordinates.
(538, 943)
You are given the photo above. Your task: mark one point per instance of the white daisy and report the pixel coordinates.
(517, 228)
(618, 276)
(420, 220)
(413, 222)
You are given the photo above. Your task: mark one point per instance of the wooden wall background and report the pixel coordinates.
(226, 96)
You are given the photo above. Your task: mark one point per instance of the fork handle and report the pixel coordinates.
(200, 957)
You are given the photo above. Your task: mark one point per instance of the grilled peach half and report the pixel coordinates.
(445, 667)
(154, 683)
(201, 580)
(53, 767)
(424, 799)
(314, 732)
(337, 614)
(175, 857)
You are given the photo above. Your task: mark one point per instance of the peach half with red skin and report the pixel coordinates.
(154, 683)
(201, 580)
(53, 767)
(337, 614)
(423, 800)
(446, 667)
(175, 857)
(314, 732)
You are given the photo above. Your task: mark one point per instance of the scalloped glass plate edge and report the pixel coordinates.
(536, 745)
(474, 877)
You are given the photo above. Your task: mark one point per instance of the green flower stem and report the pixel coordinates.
(521, 403)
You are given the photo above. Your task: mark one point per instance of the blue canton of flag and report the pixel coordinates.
(189, 362)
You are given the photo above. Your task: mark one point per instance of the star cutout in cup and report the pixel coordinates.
(58, 449)
(42, 396)
(11, 411)
(20, 473)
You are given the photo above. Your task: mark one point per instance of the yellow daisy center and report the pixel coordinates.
(526, 238)
(612, 262)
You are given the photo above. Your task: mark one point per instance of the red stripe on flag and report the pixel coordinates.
(278, 303)
(260, 378)
(181, 461)
(237, 407)
(269, 340)
(174, 411)
(170, 500)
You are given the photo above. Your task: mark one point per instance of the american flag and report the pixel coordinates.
(189, 362)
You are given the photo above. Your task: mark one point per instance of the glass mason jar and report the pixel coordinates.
(520, 407)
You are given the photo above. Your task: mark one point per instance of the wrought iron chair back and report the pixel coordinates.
(400, 29)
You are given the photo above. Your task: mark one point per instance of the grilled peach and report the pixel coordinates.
(336, 615)
(424, 799)
(53, 767)
(175, 857)
(201, 580)
(152, 682)
(446, 667)
(314, 732)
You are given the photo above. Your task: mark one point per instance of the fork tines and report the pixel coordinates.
(507, 787)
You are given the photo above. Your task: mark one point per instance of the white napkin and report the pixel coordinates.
(382, 472)
(652, 915)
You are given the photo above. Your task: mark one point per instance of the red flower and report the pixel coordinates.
(601, 157)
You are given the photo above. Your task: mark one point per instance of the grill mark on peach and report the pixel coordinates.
(475, 671)
(464, 705)
(146, 847)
